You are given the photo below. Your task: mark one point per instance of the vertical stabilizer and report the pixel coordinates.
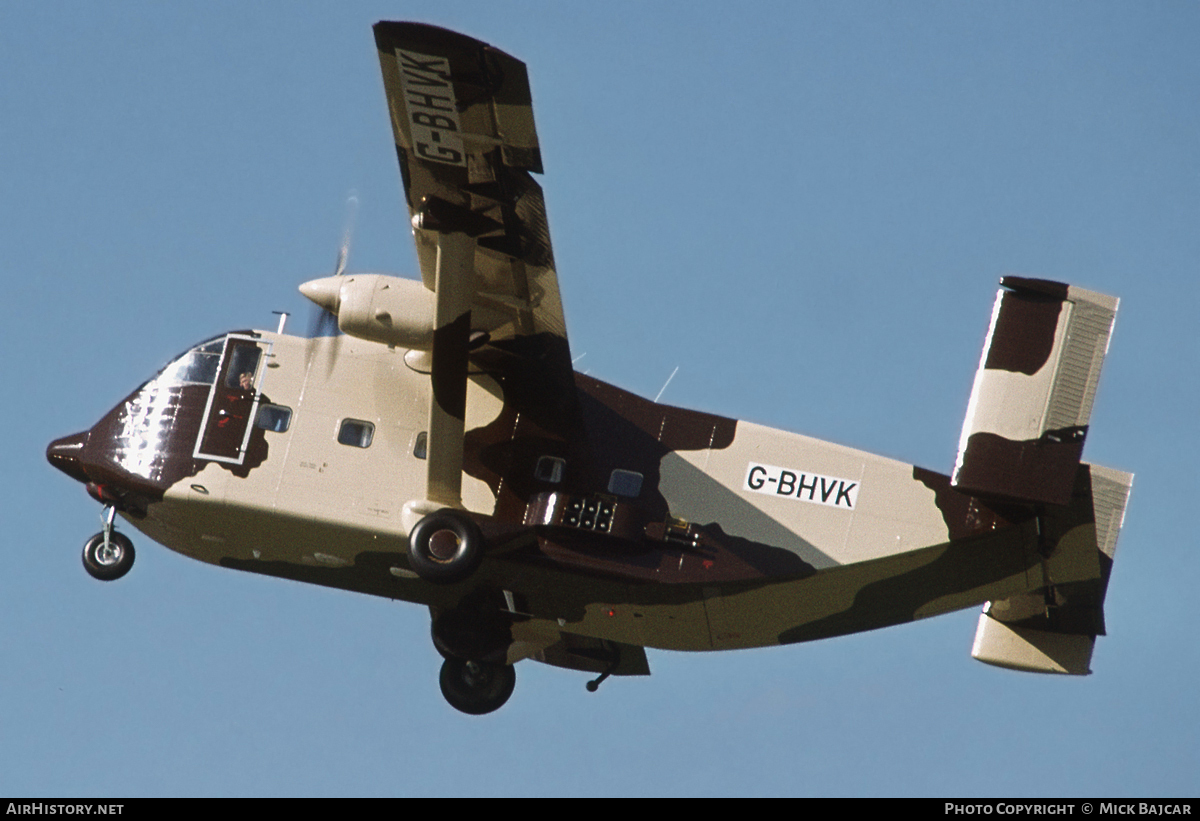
(1032, 398)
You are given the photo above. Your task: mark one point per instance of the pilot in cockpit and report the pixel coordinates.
(238, 401)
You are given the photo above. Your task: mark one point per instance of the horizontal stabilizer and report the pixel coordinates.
(1032, 398)
(1030, 650)
(1056, 633)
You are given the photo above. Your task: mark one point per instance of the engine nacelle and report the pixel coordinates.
(379, 308)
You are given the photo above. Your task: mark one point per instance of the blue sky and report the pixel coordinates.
(805, 207)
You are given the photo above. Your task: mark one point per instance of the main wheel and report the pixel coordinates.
(111, 562)
(476, 687)
(445, 547)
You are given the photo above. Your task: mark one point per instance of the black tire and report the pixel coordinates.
(111, 563)
(475, 687)
(445, 547)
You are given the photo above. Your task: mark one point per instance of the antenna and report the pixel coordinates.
(283, 315)
(668, 382)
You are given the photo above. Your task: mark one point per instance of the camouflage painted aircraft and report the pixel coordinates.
(444, 451)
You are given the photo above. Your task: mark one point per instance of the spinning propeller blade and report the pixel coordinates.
(323, 322)
(347, 233)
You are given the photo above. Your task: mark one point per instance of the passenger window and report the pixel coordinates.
(275, 418)
(549, 469)
(421, 446)
(356, 433)
(625, 483)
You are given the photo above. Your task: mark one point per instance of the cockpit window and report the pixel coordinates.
(240, 373)
(197, 367)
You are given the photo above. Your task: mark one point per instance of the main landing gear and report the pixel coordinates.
(474, 638)
(445, 547)
(477, 687)
(108, 555)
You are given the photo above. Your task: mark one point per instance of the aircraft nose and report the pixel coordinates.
(66, 454)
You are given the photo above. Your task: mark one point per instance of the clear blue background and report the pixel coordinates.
(804, 206)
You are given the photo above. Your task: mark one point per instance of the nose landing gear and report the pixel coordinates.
(108, 555)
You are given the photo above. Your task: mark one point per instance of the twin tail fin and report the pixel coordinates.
(1028, 415)
(1021, 443)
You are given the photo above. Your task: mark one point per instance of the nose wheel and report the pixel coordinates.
(108, 555)
(108, 558)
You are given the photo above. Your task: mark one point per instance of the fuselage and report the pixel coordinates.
(657, 526)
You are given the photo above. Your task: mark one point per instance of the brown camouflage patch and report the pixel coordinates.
(1023, 337)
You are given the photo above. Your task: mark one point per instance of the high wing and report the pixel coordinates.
(462, 118)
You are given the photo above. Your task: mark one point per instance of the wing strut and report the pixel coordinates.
(451, 338)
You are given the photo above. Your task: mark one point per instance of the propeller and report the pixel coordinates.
(324, 322)
(347, 233)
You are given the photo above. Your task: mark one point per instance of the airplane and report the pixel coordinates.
(442, 450)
